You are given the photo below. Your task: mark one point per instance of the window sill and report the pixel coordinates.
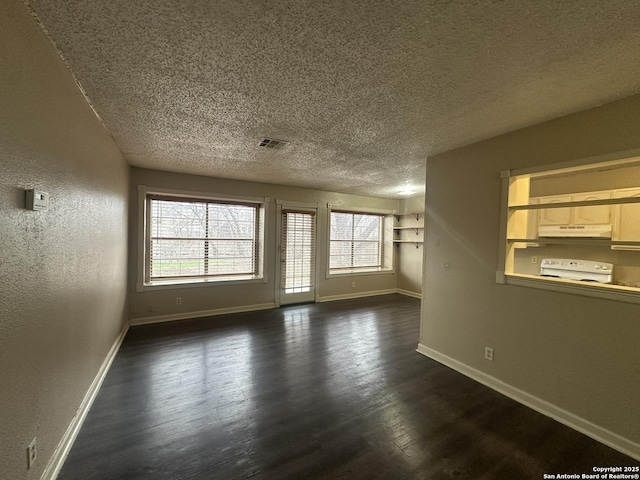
(359, 272)
(595, 290)
(198, 282)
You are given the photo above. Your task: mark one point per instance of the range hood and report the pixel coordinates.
(572, 231)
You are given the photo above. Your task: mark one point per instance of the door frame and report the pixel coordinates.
(302, 206)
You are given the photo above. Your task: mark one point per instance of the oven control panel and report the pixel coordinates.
(572, 269)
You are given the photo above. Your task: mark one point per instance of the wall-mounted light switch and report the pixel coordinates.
(37, 200)
(32, 453)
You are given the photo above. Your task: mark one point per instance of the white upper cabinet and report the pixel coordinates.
(627, 222)
(579, 214)
(555, 216)
(593, 215)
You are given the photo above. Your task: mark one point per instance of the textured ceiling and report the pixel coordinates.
(363, 90)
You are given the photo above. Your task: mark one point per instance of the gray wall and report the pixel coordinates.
(62, 272)
(161, 303)
(574, 352)
(591, 181)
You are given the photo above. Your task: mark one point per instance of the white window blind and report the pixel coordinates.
(355, 241)
(298, 232)
(201, 238)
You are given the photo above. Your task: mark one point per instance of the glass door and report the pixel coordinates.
(298, 254)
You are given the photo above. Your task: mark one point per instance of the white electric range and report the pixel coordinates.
(572, 269)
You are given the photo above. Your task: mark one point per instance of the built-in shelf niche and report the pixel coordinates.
(409, 229)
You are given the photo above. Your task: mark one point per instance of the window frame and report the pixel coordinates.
(505, 274)
(387, 253)
(145, 282)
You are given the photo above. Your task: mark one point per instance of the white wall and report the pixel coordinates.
(567, 353)
(160, 304)
(63, 271)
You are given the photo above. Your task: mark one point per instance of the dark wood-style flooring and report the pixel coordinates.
(332, 390)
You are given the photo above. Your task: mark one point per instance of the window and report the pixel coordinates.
(355, 241)
(196, 238)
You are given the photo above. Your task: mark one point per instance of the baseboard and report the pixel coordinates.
(409, 293)
(348, 296)
(565, 417)
(62, 450)
(260, 306)
(201, 313)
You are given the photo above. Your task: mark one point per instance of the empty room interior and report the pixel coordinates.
(293, 239)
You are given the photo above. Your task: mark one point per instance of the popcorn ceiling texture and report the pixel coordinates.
(364, 91)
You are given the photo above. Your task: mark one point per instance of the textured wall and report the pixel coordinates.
(578, 353)
(63, 271)
(162, 302)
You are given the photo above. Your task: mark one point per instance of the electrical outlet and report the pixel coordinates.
(353, 284)
(178, 300)
(488, 353)
(32, 453)
(534, 259)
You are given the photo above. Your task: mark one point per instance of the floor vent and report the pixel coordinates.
(273, 143)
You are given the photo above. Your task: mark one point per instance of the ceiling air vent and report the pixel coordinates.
(273, 143)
